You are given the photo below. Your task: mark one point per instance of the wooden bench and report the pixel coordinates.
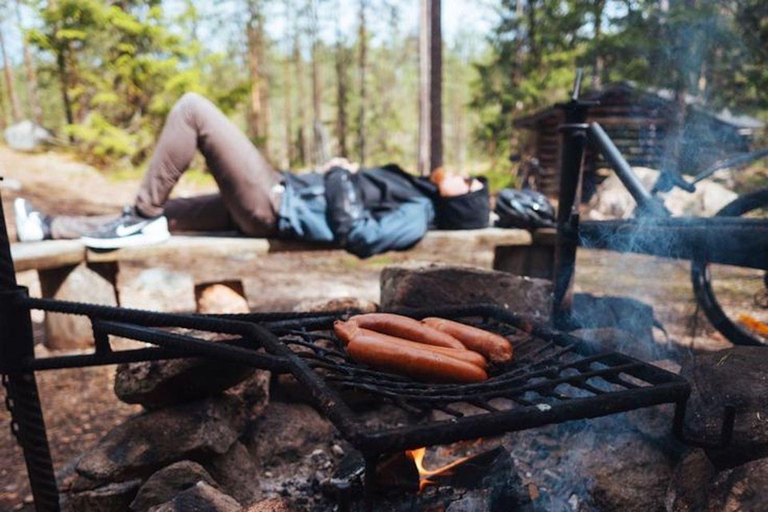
(67, 270)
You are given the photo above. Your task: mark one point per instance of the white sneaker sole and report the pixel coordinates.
(26, 230)
(155, 233)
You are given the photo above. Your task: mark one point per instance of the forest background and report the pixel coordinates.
(310, 79)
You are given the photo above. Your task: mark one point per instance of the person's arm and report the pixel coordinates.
(397, 230)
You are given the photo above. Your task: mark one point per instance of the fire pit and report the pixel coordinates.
(554, 378)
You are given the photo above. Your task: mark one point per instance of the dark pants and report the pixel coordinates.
(247, 200)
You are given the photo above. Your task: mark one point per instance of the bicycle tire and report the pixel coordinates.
(702, 280)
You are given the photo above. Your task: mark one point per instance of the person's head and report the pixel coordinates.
(451, 184)
(463, 201)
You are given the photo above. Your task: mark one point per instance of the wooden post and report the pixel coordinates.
(430, 88)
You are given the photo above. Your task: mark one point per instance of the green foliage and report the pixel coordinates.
(717, 51)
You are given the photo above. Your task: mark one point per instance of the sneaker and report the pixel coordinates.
(129, 230)
(31, 225)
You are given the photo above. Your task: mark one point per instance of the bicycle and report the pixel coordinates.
(734, 236)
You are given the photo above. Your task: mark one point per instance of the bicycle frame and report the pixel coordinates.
(732, 241)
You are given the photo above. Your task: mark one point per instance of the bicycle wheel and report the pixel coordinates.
(726, 293)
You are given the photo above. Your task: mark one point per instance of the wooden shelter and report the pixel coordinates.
(638, 122)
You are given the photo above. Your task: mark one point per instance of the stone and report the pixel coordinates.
(253, 392)
(26, 136)
(143, 444)
(78, 284)
(286, 432)
(690, 483)
(107, 498)
(434, 285)
(156, 384)
(617, 340)
(741, 489)
(696, 486)
(340, 304)
(200, 498)
(613, 201)
(236, 473)
(733, 377)
(221, 298)
(163, 485)
(605, 464)
(633, 478)
(271, 505)
(156, 289)
(629, 315)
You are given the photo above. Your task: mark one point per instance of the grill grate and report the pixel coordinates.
(555, 377)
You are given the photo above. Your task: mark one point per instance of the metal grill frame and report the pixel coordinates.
(664, 387)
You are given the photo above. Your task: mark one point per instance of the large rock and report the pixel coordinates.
(79, 284)
(221, 298)
(287, 432)
(741, 489)
(629, 315)
(734, 377)
(697, 487)
(605, 465)
(613, 201)
(26, 136)
(156, 289)
(107, 498)
(143, 444)
(271, 505)
(689, 487)
(236, 473)
(331, 305)
(433, 285)
(618, 340)
(168, 482)
(156, 384)
(200, 498)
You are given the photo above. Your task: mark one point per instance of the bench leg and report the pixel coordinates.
(78, 284)
(525, 260)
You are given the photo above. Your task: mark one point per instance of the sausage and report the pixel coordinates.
(379, 353)
(496, 348)
(462, 354)
(406, 328)
(345, 330)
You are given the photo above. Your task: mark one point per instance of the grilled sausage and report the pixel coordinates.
(496, 348)
(406, 328)
(462, 354)
(377, 352)
(345, 330)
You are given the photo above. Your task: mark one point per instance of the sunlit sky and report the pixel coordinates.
(460, 19)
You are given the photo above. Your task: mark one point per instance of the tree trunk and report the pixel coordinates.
(430, 88)
(598, 64)
(290, 156)
(254, 43)
(16, 114)
(32, 88)
(3, 119)
(264, 87)
(362, 65)
(301, 103)
(319, 154)
(533, 44)
(341, 94)
(61, 65)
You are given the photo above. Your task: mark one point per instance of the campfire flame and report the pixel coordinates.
(417, 456)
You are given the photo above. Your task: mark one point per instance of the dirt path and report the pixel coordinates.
(79, 404)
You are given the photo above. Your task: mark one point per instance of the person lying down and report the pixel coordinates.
(364, 210)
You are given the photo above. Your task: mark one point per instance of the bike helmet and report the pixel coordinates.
(525, 209)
